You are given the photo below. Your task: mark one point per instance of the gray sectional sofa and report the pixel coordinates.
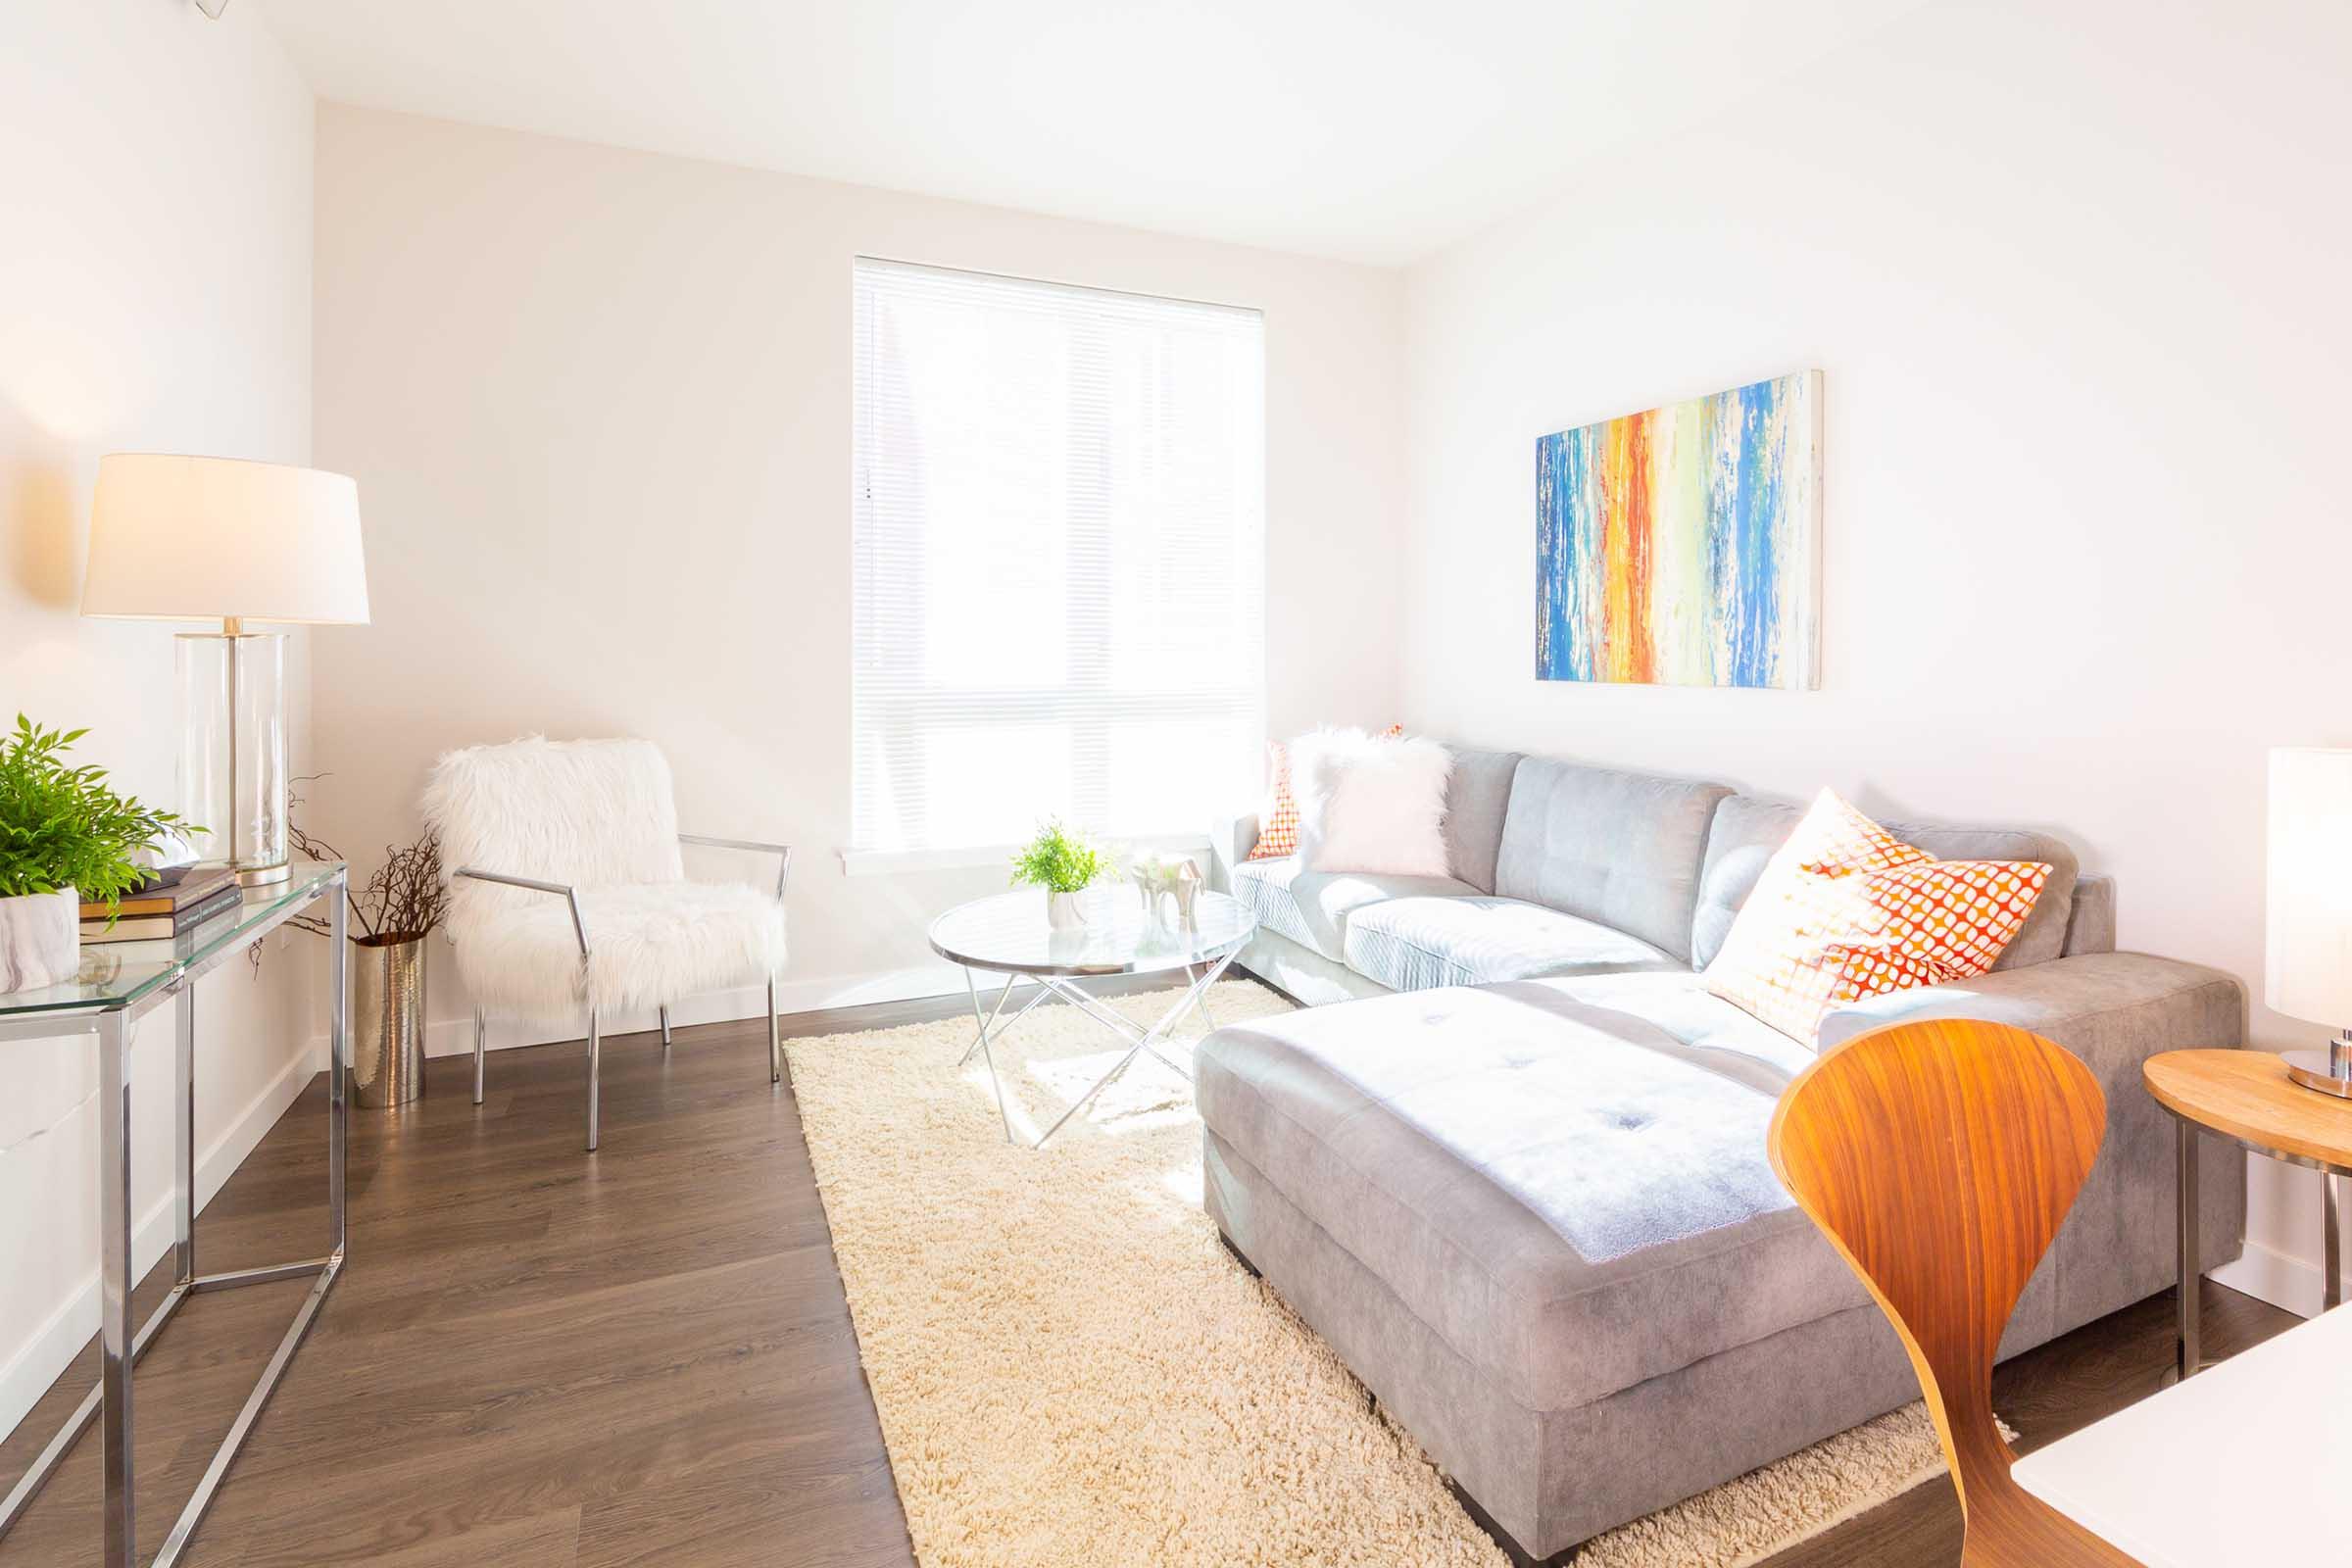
(1518, 1179)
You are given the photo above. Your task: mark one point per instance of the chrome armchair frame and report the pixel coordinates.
(579, 931)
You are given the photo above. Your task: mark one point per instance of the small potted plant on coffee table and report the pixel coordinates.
(66, 838)
(1065, 865)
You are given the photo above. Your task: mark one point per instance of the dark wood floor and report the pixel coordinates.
(540, 1359)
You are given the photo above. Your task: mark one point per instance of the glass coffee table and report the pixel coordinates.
(1008, 935)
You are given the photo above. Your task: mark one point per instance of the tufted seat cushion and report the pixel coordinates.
(1415, 943)
(1569, 1197)
(651, 944)
(1313, 907)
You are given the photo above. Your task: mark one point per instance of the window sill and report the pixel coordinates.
(899, 862)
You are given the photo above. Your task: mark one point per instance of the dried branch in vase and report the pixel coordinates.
(405, 899)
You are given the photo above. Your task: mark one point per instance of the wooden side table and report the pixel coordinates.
(2246, 1097)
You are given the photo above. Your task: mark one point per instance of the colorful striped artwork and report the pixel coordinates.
(1682, 547)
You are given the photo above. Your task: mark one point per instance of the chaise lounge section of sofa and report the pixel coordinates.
(1518, 1181)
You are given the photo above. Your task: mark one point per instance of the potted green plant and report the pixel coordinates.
(1065, 865)
(65, 837)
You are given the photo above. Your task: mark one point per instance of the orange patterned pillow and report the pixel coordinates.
(1847, 910)
(1278, 829)
(1278, 826)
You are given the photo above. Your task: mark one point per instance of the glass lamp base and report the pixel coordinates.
(233, 750)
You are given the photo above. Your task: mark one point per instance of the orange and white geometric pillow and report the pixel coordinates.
(1847, 910)
(1278, 822)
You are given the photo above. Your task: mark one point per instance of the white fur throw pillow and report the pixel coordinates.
(1370, 803)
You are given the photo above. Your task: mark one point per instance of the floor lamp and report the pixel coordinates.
(176, 538)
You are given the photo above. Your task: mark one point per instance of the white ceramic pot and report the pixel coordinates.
(40, 939)
(1065, 911)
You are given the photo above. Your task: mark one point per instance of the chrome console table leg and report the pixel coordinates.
(184, 1135)
(338, 1073)
(114, 1282)
(326, 1269)
(665, 1029)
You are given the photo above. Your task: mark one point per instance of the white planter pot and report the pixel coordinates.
(40, 939)
(1065, 911)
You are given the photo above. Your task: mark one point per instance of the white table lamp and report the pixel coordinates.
(174, 538)
(2308, 972)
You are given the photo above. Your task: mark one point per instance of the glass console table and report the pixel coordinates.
(117, 985)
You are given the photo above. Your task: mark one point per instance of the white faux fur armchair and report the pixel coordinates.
(569, 892)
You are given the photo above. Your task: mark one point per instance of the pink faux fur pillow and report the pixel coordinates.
(1374, 804)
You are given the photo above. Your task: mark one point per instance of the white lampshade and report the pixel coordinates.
(2310, 967)
(176, 538)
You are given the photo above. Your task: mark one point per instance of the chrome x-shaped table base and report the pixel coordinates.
(992, 1024)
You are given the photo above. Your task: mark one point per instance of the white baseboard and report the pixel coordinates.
(36, 1364)
(454, 1036)
(2278, 1278)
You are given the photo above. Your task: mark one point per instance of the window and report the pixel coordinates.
(1058, 584)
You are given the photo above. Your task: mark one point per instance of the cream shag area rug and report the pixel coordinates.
(1071, 1370)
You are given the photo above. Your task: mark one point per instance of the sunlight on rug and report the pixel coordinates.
(1070, 1369)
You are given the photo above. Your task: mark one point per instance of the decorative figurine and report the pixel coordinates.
(1163, 876)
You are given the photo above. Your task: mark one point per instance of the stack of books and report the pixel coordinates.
(153, 912)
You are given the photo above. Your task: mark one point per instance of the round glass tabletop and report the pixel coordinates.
(1009, 934)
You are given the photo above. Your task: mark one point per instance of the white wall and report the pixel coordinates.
(155, 293)
(598, 403)
(2075, 276)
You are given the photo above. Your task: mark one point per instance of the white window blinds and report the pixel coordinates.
(1059, 579)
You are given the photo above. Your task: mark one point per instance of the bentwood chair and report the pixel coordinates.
(568, 893)
(1940, 1157)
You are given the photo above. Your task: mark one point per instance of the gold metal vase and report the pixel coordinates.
(387, 1021)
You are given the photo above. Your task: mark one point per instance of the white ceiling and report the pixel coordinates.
(1376, 130)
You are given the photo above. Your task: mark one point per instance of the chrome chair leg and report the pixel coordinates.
(775, 1037)
(481, 1049)
(596, 1051)
(664, 1028)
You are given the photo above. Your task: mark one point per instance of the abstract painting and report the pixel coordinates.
(1682, 547)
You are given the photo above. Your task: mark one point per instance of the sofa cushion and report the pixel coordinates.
(1847, 910)
(1371, 804)
(1278, 817)
(1623, 849)
(1278, 832)
(1311, 908)
(653, 944)
(1415, 943)
(1568, 1196)
(1477, 794)
(1748, 830)
(1679, 1004)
